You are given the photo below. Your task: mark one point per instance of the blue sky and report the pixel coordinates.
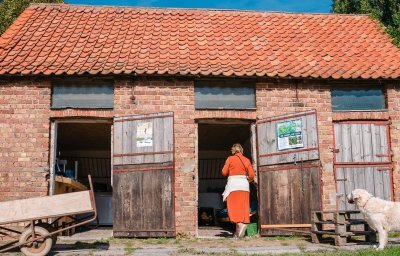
(321, 6)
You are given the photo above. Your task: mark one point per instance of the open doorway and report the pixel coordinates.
(214, 144)
(84, 148)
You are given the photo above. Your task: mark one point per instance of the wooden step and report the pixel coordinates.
(349, 222)
(351, 233)
(340, 212)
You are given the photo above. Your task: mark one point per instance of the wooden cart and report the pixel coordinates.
(42, 214)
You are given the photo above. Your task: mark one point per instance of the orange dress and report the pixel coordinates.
(238, 202)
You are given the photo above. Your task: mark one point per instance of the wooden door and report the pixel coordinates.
(289, 174)
(375, 179)
(143, 176)
(362, 160)
(361, 143)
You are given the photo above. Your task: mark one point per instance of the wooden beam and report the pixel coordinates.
(286, 226)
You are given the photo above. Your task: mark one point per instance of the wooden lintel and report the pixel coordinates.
(286, 226)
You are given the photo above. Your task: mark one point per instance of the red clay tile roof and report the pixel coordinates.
(72, 39)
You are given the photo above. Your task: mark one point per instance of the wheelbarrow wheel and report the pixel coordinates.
(40, 247)
(49, 228)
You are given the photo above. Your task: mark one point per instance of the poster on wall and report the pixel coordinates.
(144, 135)
(289, 134)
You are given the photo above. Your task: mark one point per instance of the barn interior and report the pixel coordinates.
(214, 144)
(83, 149)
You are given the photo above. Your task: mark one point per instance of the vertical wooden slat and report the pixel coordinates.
(384, 142)
(378, 144)
(306, 195)
(356, 147)
(378, 177)
(367, 143)
(307, 133)
(346, 143)
(340, 181)
(387, 195)
(369, 179)
(312, 141)
(117, 143)
(338, 142)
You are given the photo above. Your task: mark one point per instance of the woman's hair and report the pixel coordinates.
(238, 148)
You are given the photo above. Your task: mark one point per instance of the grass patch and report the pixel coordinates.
(389, 251)
(394, 234)
(129, 250)
(284, 238)
(161, 240)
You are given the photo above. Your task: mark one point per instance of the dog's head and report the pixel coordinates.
(358, 196)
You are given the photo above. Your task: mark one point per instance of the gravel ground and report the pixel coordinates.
(100, 242)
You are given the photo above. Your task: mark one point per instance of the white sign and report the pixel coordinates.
(289, 134)
(144, 135)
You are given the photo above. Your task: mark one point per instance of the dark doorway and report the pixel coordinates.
(82, 149)
(214, 144)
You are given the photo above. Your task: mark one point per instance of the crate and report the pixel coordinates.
(252, 229)
(342, 225)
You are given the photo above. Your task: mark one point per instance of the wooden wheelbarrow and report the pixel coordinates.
(43, 214)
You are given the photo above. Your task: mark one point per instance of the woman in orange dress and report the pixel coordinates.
(237, 191)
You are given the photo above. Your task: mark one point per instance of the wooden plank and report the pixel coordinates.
(312, 140)
(168, 213)
(356, 147)
(159, 141)
(338, 142)
(117, 142)
(349, 186)
(77, 186)
(134, 193)
(367, 143)
(168, 138)
(378, 178)
(387, 195)
(341, 193)
(306, 196)
(384, 143)
(378, 149)
(315, 196)
(296, 197)
(346, 143)
(152, 205)
(126, 141)
(369, 179)
(117, 196)
(283, 210)
(286, 226)
(47, 206)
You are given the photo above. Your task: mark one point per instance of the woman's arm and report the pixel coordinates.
(250, 172)
(225, 170)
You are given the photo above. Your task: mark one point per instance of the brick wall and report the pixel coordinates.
(24, 139)
(25, 129)
(393, 97)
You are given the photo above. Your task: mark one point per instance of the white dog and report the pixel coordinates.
(381, 215)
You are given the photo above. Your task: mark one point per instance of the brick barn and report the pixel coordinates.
(149, 102)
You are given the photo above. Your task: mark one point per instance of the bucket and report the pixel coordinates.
(252, 229)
